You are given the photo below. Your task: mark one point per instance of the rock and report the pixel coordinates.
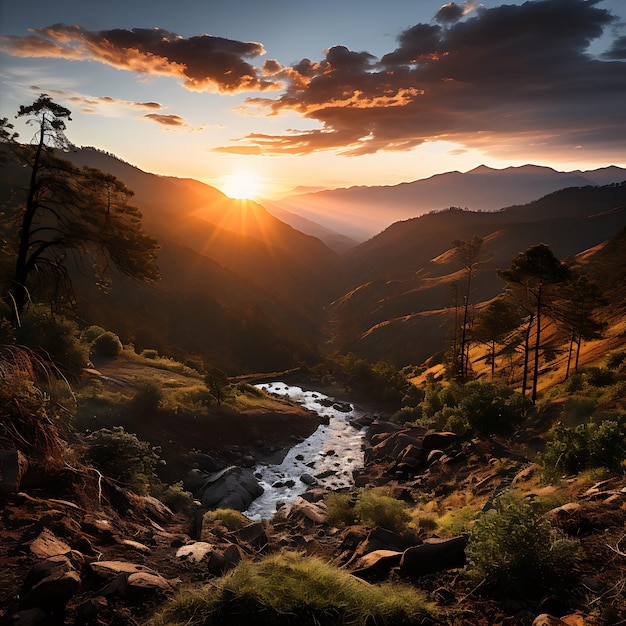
(111, 569)
(136, 545)
(548, 620)
(219, 564)
(13, 466)
(325, 474)
(377, 565)
(251, 535)
(50, 584)
(434, 456)
(89, 612)
(437, 440)
(232, 488)
(137, 586)
(194, 552)
(434, 555)
(307, 479)
(305, 511)
(47, 545)
(342, 407)
(314, 495)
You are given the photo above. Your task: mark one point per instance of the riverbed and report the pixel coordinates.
(327, 457)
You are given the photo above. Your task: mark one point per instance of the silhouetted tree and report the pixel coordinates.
(493, 323)
(531, 282)
(467, 252)
(67, 210)
(578, 301)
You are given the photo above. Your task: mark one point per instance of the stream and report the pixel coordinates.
(329, 455)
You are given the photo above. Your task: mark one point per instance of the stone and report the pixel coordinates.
(89, 612)
(137, 546)
(434, 555)
(47, 545)
(194, 552)
(307, 479)
(437, 441)
(50, 584)
(13, 466)
(377, 565)
(232, 488)
(251, 534)
(547, 620)
(111, 569)
(305, 511)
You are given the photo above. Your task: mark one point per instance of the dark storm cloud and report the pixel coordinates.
(513, 78)
(203, 62)
(449, 13)
(618, 49)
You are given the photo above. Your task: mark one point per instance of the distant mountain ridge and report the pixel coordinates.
(361, 212)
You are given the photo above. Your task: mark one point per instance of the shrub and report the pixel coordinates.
(148, 397)
(233, 520)
(107, 344)
(56, 336)
(493, 407)
(149, 353)
(513, 546)
(290, 589)
(340, 508)
(123, 457)
(367, 507)
(599, 376)
(91, 333)
(174, 496)
(591, 445)
(381, 511)
(457, 521)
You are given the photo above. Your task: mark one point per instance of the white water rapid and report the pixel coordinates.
(329, 454)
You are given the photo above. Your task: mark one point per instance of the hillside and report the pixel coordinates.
(361, 212)
(403, 279)
(238, 287)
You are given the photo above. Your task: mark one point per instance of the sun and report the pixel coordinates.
(243, 185)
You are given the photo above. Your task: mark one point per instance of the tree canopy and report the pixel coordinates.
(67, 216)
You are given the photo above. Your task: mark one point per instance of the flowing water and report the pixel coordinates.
(329, 454)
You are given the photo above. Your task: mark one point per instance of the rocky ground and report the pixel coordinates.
(77, 548)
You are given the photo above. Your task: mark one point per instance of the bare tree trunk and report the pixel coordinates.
(526, 354)
(537, 346)
(569, 356)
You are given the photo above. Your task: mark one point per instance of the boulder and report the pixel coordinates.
(250, 535)
(575, 619)
(232, 488)
(377, 565)
(434, 555)
(304, 511)
(194, 552)
(46, 545)
(50, 584)
(13, 466)
(109, 570)
(437, 441)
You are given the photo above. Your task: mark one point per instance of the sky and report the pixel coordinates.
(330, 93)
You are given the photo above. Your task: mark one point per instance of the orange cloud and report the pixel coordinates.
(166, 120)
(202, 62)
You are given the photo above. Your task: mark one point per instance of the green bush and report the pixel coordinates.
(367, 507)
(148, 396)
(233, 520)
(513, 546)
(91, 333)
(290, 590)
(123, 457)
(174, 496)
(149, 353)
(54, 336)
(107, 344)
(457, 521)
(595, 444)
(599, 376)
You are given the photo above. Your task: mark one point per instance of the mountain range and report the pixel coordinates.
(362, 212)
(249, 292)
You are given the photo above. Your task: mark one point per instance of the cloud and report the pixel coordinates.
(453, 12)
(514, 79)
(166, 120)
(202, 62)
